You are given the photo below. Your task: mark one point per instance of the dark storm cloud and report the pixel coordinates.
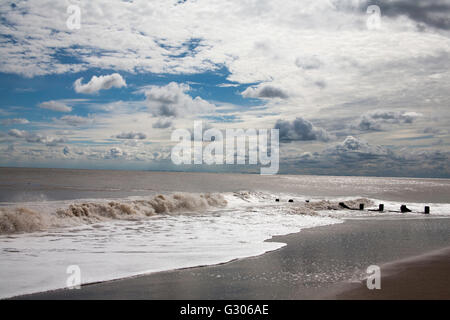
(379, 120)
(272, 92)
(433, 13)
(300, 130)
(265, 92)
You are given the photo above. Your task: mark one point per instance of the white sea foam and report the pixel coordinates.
(116, 248)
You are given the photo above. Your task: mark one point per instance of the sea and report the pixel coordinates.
(107, 225)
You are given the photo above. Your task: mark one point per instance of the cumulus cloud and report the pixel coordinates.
(17, 133)
(9, 122)
(36, 137)
(96, 84)
(172, 100)
(380, 120)
(300, 129)
(329, 63)
(47, 140)
(265, 92)
(131, 135)
(353, 145)
(55, 106)
(115, 153)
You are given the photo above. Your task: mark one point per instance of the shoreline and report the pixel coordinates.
(315, 263)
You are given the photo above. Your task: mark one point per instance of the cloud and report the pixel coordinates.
(228, 85)
(265, 92)
(55, 106)
(96, 84)
(131, 135)
(162, 124)
(75, 121)
(352, 145)
(300, 129)
(47, 140)
(36, 137)
(278, 51)
(115, 153)
(9, 122)
(380, 120)
(17, 133)
(308, 62)
(432, 13)
(173, 101)
(432, 130)
(355, 156)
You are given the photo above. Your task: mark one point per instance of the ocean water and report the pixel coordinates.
(115, 224)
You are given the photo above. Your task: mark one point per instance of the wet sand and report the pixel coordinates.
(418, 278)
(316, 263)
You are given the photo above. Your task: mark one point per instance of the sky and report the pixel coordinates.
(354, 87)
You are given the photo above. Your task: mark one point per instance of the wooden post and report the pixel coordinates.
(427, 210)
(381, 207)
(404, 209)
(361, 206)
(290, 200)
(277, 200)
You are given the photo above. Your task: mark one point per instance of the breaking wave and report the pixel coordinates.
(21, 219)
(14, 220)
(18, 219)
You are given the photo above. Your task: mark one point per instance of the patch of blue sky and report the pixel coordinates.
(72, 54)
(188, 48)
(21, 96)
(223, 118)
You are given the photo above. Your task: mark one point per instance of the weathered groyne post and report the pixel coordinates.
(381, 207)
(361, 206)
(427, 210)
(404, 209)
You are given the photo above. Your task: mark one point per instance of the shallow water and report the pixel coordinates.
(26, 184)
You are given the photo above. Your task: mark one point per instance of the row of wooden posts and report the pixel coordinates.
(403, 208)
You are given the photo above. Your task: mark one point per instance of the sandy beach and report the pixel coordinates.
(319, 263)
